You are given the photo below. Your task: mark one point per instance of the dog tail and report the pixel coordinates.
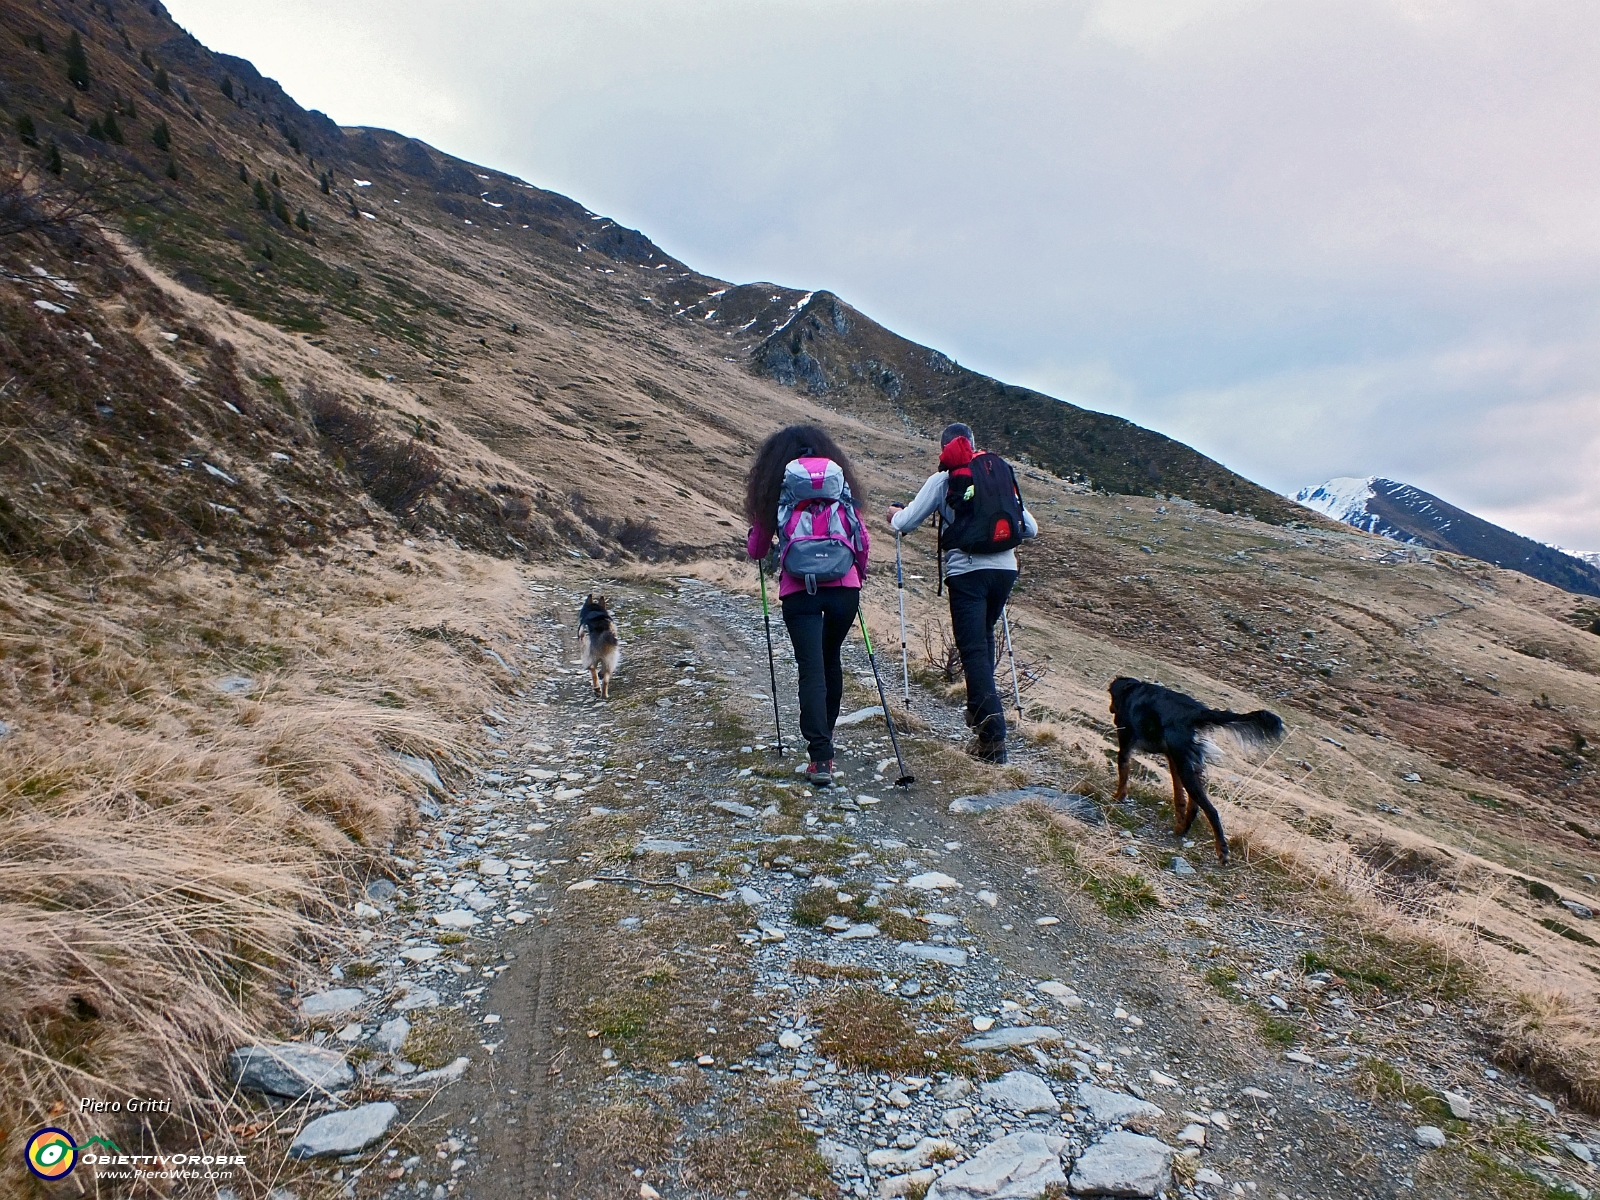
(1257, 728)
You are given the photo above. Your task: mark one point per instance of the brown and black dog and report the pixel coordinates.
(599, 648)
(1157, 720)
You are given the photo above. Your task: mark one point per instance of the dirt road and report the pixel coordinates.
(838, 1023)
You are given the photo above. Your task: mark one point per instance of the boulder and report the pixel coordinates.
(1429, 1137)
(1123, 1164)
(1018, 1166)
(1107, 1107)
(1021, 1091)
(344, 1132)
(291, 1069)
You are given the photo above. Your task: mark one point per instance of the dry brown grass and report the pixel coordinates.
(170, 852)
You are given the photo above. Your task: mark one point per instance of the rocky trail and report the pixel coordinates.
(636, 956)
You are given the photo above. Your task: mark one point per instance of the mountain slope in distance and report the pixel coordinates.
(240, 161)
(1409, 514)
(816, 342)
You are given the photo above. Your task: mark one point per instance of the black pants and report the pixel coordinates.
(817, 626)
(976, 598)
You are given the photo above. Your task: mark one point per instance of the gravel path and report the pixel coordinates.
(623, 1036)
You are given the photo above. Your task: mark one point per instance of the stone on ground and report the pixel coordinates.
(392, 1033)
(289, 1070)
(1123, 1164)
(1015, 1167)
(322, 1004)
(1085, 809)
(1429, 1137)
(1022, 1035)
(344, 1132)
(1021, 1091)
(1107, 1107)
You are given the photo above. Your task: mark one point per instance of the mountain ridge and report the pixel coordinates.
(1408, 514)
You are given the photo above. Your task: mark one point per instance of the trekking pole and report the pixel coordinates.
(906, 777)
(1016, 690)
(772, 665)
(900, 583)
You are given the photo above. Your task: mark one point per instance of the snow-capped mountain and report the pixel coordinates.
(1408, 514)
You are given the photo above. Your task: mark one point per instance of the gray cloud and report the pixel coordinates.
(1351, 238)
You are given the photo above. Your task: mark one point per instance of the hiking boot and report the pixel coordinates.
(989, 752)
(819, 774)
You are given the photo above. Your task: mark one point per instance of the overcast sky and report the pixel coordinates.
(1351, 238)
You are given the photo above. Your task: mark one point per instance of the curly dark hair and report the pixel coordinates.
(766, 474)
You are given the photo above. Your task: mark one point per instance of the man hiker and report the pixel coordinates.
(982, 520)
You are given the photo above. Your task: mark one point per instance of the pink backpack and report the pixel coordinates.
(819, 533)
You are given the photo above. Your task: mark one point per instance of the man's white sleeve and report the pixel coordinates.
(927, 500)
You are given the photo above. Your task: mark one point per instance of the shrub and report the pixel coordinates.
(263, 197)
(302, 222)
(95, 131)
(27, 131)
(397, 474)
(163, 84)
(172, 169)
(244, 176)
(77, 63)
(227, 87)
(111, 129)
(281, 210)
(52, 159)
(161, 135)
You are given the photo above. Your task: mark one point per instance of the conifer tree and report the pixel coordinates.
(131, 109)
(77, 63)
(27, 131)
(302, 222)
(144, 57)
(172, 169)
(327, 183)
(275, 181)
(263, 200)
(52, 159)
(163, 84)
(244, 176)
(111, 129)
(227, 87)
(161, 135)
(94, 130)
(70, 109)
(281, 210)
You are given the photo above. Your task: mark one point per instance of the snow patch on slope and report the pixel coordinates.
(1343, 500)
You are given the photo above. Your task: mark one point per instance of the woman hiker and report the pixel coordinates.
(803, 492)
(979, 583)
